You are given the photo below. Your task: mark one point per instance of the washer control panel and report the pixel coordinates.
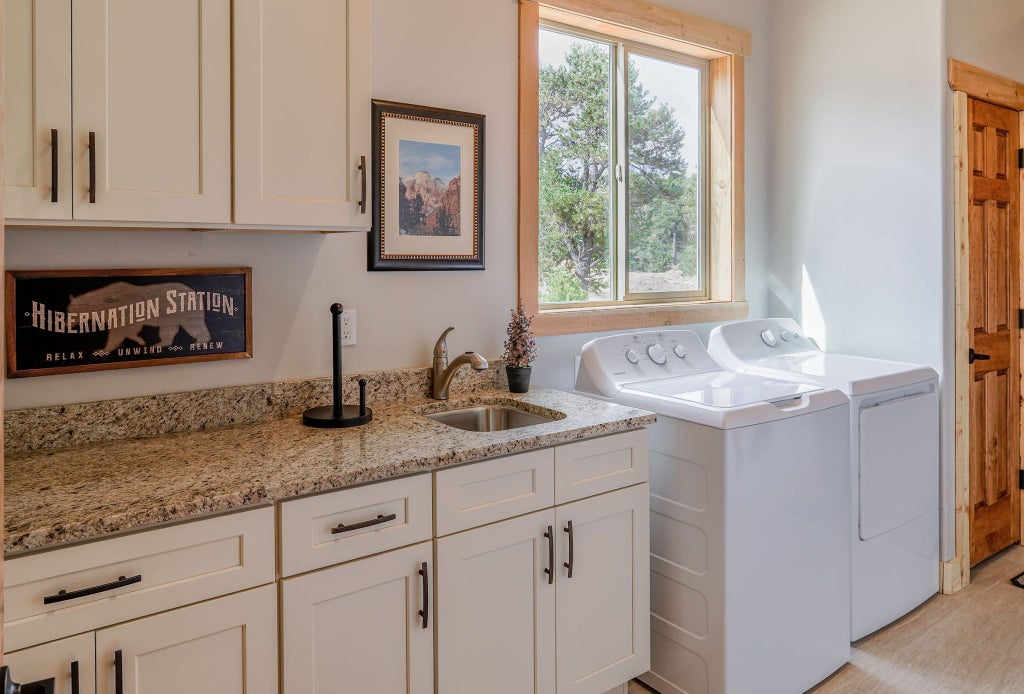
(609, 362)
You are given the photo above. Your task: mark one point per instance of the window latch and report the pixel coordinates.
(618, 173)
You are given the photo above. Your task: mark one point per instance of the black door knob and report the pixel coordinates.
(973, 356)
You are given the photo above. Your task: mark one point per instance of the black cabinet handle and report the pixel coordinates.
(63, 595)
(425, 612)
(973, 356)
(74, 677)
(342, 528)
(92, 166)
(568, 564)
(54, 175)
(550, 571)
(362, 197)
(118, 672)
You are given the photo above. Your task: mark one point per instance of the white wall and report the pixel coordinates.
(987, 34)
(554, 367)
(858, 170)
(458, 54)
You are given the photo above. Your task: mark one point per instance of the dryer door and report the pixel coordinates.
(899, 462)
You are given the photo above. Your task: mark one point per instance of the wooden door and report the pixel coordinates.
(152, 81)
(224, 646)
(37, 52)
(993, 191)
(603, 612)
(67, 666)
(302, 112)
(357, 627)
(496, 609)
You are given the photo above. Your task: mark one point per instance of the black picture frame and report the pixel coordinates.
(445, 236)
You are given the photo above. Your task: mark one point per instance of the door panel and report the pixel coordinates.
(995, 289)
(37, 96)
(152, 80)
(61, 661)
(496, 609)
(381, 598)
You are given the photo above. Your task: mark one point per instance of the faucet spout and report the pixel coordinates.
(443, 372)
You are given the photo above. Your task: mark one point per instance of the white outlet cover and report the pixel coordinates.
(348, 328)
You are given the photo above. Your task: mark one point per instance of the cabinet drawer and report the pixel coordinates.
(490, 491)
(177, 565)
(307, 540)
(600, 465)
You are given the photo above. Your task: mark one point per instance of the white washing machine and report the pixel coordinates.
(894, 456)
(750, 495)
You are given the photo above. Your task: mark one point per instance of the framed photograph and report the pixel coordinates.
(428, 189)
(66, 321)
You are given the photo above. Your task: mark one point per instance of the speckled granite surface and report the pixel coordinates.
(65, 426)
(62, 495)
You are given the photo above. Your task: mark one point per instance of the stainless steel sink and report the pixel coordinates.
(488, 418)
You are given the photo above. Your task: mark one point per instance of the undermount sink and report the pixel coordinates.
(488, 418)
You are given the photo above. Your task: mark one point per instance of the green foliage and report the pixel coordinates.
(575, 181)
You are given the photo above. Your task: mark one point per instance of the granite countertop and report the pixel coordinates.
(71, 494)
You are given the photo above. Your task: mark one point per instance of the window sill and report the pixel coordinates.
(604, 318)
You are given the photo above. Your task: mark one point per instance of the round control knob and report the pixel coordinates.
(657, 353)
(632, 357)
(785, 336)
(769, 338)
(679, 351)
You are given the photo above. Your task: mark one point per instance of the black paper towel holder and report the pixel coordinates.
(338, 414)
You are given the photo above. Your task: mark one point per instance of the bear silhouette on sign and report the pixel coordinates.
(122, 293)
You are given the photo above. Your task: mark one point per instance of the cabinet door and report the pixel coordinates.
(37, 96)
(67, 666)
(152, 81)
(358, 627)
(302, 112)
(496, 609)
(224, 646)
(604, 608)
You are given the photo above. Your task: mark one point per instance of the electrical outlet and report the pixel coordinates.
(348, 327)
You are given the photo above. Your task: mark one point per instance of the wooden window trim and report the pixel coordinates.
(644, 22)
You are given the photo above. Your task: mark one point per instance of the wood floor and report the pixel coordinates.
(968, 643)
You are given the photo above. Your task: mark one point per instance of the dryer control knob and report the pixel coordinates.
(679, 351)
(785, 336)
(657, 353)
(769, 338)
(632, 357)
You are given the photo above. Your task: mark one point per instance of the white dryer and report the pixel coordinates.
(894, 456)
(750, 494)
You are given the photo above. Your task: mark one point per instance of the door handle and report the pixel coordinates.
(425, 612)
(74, 677)
(118, 672)
(63, 595)
(54, 161)
(362, 197)
(381, 518)
(92, 166)
(973, 356)
(569, 564)
(550, 571)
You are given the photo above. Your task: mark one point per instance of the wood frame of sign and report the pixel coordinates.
(70, 321)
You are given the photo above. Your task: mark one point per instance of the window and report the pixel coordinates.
(631, 198)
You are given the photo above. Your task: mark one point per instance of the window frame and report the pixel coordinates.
(655, 31)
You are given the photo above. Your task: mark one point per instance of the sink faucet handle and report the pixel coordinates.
(441, 347)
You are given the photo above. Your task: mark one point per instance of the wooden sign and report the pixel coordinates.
(65, 321)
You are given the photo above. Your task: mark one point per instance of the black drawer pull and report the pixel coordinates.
(342, 528)
(362, 196)
(118, 672)
(92, 166)
(550, 571)
(572, 554)
(63, 595)
(54, 161)
(74, 677)
(425, 612)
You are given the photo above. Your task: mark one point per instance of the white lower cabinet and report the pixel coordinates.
(496, 609)
(366, 626)
(223, 646)
(498, 604)
(67, 666)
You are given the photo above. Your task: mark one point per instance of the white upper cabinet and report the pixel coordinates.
(152, 94)
(302, 113)
(37, 91)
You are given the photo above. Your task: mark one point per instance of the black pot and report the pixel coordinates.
(518, 378)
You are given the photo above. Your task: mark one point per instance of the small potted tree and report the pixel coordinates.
(520, 350)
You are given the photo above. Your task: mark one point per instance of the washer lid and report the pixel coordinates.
(852, 375)
(723, 389)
